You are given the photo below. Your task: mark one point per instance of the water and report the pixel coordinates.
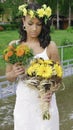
(64, 101)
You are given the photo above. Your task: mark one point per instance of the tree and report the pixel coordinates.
(2, 10)
(67, 9)
(70, 11)
(13, 6)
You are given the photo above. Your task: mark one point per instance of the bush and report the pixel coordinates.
(66, 42)
(1, 28)
(70, 29)
(10, 26)
(52, 29)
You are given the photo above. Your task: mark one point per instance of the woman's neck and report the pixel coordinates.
(32, 40)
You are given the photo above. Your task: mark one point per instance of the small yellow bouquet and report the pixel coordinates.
(45, 75)
(17, 53)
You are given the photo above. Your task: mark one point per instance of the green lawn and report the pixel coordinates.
(61, 35)
(6, 37)
(58, 36)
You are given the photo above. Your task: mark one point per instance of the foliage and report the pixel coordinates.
(1, 28)
(10, 26)
(70, 29)
(52, 29)
(43, 12)
(17, 53)
(2, 8)
(66, 42)
(51, 3)
(13, 5)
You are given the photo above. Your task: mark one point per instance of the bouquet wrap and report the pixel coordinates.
(44, 75)
(44, 105)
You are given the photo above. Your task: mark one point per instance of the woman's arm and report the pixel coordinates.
(12, 71)
(10, 74)
(52, 52)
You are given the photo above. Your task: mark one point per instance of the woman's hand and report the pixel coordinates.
(48, 96)
(18, 69)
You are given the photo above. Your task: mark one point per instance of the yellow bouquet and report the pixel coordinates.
(45, 75)
(17, 53)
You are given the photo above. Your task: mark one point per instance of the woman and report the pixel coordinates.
(35, 32)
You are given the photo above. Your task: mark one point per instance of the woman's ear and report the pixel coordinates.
(23, 20)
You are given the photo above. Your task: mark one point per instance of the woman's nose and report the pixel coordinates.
(34, 27)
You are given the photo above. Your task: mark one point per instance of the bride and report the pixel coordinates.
(34, 32)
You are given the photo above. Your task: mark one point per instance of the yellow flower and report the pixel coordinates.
(33, 62)
(24, 12)
(26, 49)
(6, 50)
(36, 66)
(31, 13)
(58, 69)
(40, 61)
(43, 12)
(48, 11)
(44, 71)
(21, 7)
(44, 6)
(48, 62)
(33, 69)
(30, 70)
(6, 57)
(40, 12)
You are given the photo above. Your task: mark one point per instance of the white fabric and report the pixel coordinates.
(27, 112)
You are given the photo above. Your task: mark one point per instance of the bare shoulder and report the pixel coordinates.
(52, 45)
(13, 42)
(53, 51)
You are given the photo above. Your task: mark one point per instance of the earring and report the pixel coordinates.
(24, 28)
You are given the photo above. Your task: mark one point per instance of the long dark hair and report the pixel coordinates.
(44, 37)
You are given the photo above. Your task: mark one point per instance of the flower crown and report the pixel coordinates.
(44, 12)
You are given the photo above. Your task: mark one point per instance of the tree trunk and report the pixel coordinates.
(69, 22)
(57, 14)
(30, 1)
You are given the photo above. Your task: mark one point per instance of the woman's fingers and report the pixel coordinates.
(18, 69)
(48, 96)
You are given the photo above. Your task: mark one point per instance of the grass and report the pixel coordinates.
(6, 37)
(61, 36)
(58, 36)
(65, 103)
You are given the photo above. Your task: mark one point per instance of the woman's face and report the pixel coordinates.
(32, 26)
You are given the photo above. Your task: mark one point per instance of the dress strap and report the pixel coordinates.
(14, 42)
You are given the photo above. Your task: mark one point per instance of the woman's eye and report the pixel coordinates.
(30, 23)
(39, 24)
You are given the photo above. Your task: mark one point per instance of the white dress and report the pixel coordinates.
(27, 112)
